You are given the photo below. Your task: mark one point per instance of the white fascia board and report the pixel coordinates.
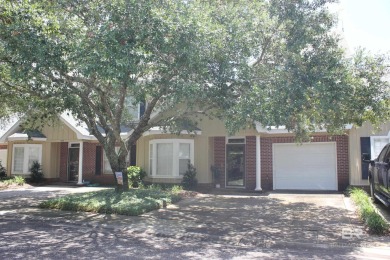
(24, 137)
(15, 127)
(348, 126)
(71, 124)
(282, 129)
(270, 130)
(126, 136)
(158, 130)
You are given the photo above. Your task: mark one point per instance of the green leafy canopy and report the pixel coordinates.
(273, 62)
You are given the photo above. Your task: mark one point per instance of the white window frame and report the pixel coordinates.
(372, 141)
(71, 145)
(134, 109)
(25, 156)
(175, 158)
(105, 160)
(235, 138)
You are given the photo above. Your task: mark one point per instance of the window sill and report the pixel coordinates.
(164, 177)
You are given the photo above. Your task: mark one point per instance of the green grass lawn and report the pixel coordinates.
(132, 203)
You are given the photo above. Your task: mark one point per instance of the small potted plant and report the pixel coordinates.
(216, 171)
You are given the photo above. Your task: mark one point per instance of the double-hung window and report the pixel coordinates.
(169, 158)
(377, 144)
(23, 157)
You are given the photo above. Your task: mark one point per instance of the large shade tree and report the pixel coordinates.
(274, 62)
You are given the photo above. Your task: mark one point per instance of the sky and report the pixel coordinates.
(366, 23)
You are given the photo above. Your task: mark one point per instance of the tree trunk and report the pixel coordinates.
(118, 164)
(125, 185)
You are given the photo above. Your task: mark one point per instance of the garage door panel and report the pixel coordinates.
(305, 167)
(298, 185)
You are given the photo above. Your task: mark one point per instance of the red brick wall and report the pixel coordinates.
(89, 165)
(3, 147)
(266, 163)
(250, 162)
(220, 157)
(342, 158)
(89, 154)
(89, 159)
(342, 161)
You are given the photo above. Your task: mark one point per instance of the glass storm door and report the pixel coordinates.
(235, 165)
(73, 164)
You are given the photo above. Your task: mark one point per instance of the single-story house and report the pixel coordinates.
(253, 159)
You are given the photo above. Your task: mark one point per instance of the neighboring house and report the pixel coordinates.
(66, 151)
(5, 125)
(365, 139)
(253, 159)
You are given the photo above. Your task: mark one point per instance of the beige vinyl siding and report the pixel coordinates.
(50, 148)
(215, 127)
(53, 164)
(3, 156)
(59, 133)
(201, 160)
(354, 149)
(50, 157)
(203, 148)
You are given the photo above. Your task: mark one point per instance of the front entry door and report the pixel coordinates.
(235, 165)
(73, 164)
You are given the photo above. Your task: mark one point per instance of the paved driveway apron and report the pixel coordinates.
(267, 220)
(320, 220)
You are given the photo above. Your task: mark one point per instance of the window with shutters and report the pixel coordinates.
(377, 144)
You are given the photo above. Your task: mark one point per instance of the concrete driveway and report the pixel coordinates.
(274, 219)
(300, 225)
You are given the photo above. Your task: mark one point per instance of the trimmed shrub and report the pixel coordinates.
(19, 180)
(3, 171)
(375, 223)
(36, 174)
(189, 181)
(136, 176)
(176, 189)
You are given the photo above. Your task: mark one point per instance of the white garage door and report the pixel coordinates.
(305, 167)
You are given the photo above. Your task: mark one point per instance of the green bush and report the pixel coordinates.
(155, 186)
(136, 176)
(36, 174)
(19, 180)
(176, 189)
(189, 181)
(375, 223)
(3, 171)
